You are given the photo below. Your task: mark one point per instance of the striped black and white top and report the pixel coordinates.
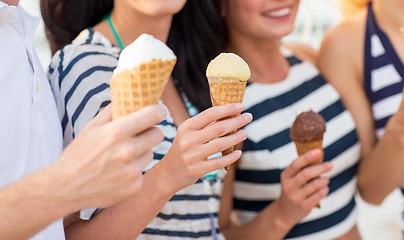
(383, 74)
(80, 75)
(268, 150)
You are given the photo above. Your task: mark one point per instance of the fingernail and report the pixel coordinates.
(237, 153)
(315, 152)
(240, 106)
(325, 180)
(244, 133)
(162, 111)
(248, 116)
(329, 165)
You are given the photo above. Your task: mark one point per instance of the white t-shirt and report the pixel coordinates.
(30, 131)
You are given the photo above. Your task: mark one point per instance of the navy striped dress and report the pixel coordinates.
(268, 150)
(383, 74)
(79, 75)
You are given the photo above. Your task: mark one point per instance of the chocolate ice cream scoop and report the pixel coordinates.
(308, 126)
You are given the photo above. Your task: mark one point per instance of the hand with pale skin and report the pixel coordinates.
(102, 166)
(200, 137)
(112, 156)
(302, 188)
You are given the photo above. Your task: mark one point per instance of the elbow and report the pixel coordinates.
(370, 195)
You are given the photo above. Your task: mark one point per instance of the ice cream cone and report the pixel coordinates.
(135, 88)
(143, 70)
(307, 133)
(227, 75)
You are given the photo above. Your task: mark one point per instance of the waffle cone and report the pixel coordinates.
(138, 87)
(226, 91)
(303, 147)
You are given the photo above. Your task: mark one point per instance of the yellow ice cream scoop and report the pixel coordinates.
(228, 65)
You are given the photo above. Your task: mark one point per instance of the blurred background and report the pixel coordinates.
(314, 18)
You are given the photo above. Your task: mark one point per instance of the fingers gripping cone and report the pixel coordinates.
(307, 133)
(143, 71)
(225, 92)
(227, 75)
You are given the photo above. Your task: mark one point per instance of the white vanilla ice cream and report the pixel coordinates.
(144, 49)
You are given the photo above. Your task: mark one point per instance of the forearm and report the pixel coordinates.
(383, 169)
(268, 225)
(127, 219)
(29, 205)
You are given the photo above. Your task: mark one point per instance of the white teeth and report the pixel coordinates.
(279, 13)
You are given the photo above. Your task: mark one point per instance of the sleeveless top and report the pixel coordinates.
(268, 150)
(80, 75)
(383, 74)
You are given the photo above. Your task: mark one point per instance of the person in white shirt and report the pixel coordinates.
(36, 190)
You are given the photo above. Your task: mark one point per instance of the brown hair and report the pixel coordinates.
(65, 19)
(198, 34)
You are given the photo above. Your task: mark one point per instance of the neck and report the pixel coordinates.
(389, 12)
(11, 2)
(262, 55)
(130, 24)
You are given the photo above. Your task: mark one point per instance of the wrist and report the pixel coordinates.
(50, 189)
(157, 179)
(281, 221)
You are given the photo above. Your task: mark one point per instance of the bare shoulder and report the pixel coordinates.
(303, 51)
(345, 42)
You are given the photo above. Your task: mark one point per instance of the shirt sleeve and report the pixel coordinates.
(80, 81)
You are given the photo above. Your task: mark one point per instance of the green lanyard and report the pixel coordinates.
(118, 39)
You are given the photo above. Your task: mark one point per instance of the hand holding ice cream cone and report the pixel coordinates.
(227, 75)
(307, 133)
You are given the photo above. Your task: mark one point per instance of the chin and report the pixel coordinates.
(169, 7)
(279, 32)
(286, 32)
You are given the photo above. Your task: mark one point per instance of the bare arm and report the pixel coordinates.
(299, 195)
(341, 62)
(88, 173)
(31, 204)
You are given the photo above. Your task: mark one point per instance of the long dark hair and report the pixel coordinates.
(198, 34)
(65, 19)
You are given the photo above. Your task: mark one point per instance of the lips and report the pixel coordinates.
(278, 13)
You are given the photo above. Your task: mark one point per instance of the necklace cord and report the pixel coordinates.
(117, 38)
